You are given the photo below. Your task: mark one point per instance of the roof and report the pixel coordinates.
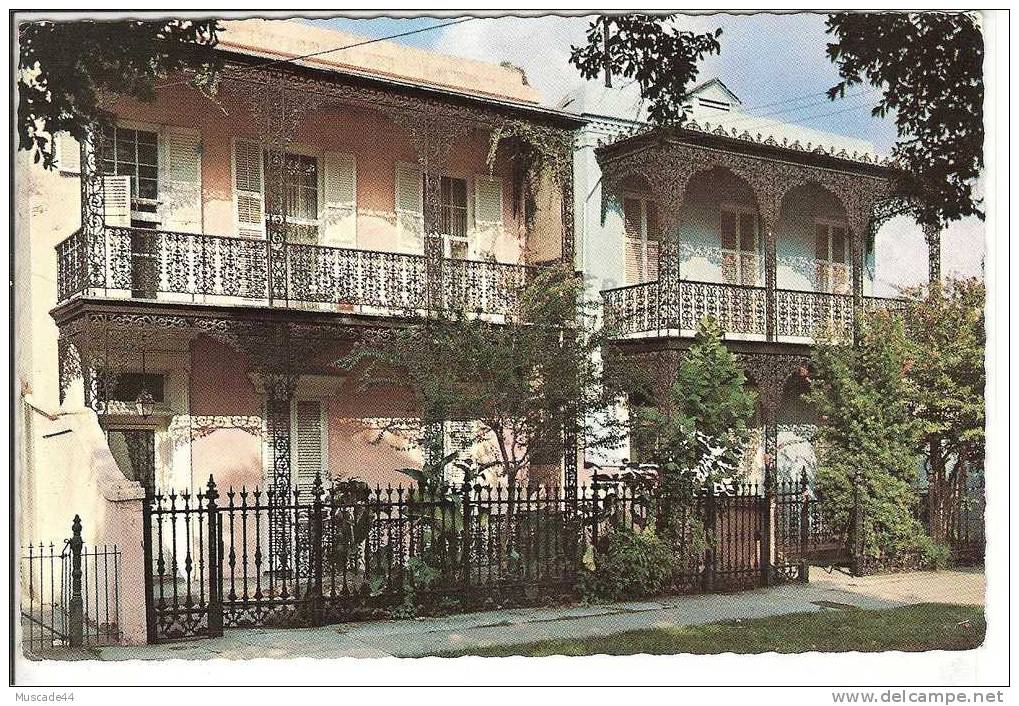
(288, 39)
(715, 110)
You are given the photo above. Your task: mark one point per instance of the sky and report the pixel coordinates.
(775, 63)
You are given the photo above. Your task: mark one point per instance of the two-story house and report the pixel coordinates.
(229, 249)
(767, 227)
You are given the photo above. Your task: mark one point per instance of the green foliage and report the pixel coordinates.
(945, 326)
(704, 424)
(929, 68)
(646, 48)
(67, 68)
(525, 381)
(633, 564)
(868, 436)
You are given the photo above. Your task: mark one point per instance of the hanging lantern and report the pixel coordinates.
(144, 403)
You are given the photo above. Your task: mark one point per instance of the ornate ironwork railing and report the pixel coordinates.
(153, 264)
(739, 309)
(814, 315)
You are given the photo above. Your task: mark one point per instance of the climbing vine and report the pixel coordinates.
(536, 151)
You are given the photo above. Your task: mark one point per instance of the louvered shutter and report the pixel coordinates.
(180, 180)
(410, 222)
(248, 189)
(651, 270)
(634, 260)
(728, 224)
(117, 200)
(748, 249)
(840, 262)
(487, 216)
(823, 283)
(309, 432)
(339, 215)
(68, 153)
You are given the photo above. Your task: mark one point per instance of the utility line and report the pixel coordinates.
(335, 49)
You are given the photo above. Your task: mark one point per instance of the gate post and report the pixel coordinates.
(215, 569)
(150, 601)
(804, 526)
(76, 607)
(315, 551)
(768, 525)
(710, 517)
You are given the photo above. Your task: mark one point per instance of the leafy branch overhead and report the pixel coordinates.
(66, 68)
(929, 68)
(649, 49)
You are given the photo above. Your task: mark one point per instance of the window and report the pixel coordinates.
(639, 224)
(135, 154)
(738, 229)
(831, 244)
(453, 216)
(300, 194)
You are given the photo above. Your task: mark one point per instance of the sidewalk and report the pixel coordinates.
(418, 638)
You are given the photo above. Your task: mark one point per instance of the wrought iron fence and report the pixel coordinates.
(963, 520)
(150, 264)
(352, 553)
(808, 528)
(70, 595)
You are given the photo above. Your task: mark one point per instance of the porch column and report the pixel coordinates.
(279, 391)
(932, 234)
(770, 277)
(93, 217)
(857, 248)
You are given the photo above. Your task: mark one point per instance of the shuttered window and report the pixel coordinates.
(308, 424)
(641, 240)
(740, 246)
(339, 218)
(488, 223)
(131, 153)
(248, 189)
(831, 250)
(410, 208)
(180, 180)
(453, 216)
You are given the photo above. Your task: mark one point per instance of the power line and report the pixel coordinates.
(335, 49)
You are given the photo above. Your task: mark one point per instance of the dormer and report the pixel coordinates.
(712, 96)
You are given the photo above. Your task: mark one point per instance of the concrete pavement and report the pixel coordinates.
(426, 636)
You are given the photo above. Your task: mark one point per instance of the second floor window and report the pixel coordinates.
(831, 243)
(300, 195)
(453, 216)
(135, 154)
(641, 240)
(738, 229)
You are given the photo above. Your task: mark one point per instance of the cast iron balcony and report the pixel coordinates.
(132, 263)
(645, 310)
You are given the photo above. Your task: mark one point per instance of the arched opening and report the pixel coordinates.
(813, 245)
(719, 232)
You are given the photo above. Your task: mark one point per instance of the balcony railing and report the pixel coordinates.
(645, 309)
(162, 265)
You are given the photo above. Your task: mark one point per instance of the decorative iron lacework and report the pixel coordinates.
(184, 428)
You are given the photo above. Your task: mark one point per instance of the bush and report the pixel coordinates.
(633, 564)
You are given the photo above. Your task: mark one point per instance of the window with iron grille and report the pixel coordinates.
(135, 153)
(300, 194)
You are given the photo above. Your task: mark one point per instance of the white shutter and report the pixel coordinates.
(248, 189)
(180, 180)
(410, 221)
(309, 444)
(68, 153)
(634, 260)
(117, 200)
(339, 217)
(487, 216)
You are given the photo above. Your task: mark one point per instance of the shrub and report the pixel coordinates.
(633, 564)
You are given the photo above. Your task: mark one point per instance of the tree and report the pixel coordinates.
(525, 382)
(929, 68)
(66, 68)
(945, 326)
(704, 423)
(867, 439)
(661, 58)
